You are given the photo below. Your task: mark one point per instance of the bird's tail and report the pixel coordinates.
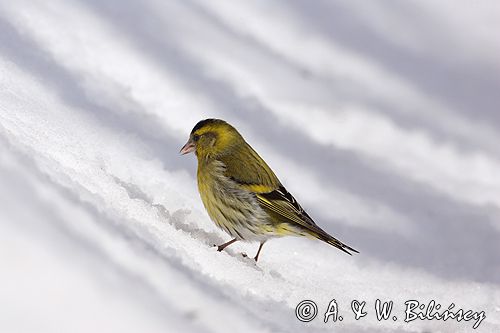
(325, 237)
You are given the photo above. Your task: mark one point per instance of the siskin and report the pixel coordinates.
(241, 194)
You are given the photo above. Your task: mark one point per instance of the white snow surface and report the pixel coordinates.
(382, 118)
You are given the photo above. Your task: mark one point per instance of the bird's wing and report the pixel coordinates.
(249, 171)
(281, 202)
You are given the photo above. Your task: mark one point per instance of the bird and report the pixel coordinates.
(240, 192)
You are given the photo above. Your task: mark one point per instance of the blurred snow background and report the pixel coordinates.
(381, 117)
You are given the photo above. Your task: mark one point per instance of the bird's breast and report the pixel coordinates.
(231, 207)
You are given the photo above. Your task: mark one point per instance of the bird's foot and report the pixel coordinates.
(244, 255)
(219, 247)
(223, 246)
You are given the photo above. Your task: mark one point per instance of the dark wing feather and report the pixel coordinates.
(281, 202)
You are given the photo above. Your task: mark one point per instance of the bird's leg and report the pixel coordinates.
(223, 246)
(258, 251)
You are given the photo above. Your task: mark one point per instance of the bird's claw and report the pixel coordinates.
(219, 247)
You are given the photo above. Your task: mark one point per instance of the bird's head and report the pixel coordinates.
(211, 138)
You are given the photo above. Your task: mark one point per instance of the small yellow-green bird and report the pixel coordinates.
(241, 193)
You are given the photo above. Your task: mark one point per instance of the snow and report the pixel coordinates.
(381, 120)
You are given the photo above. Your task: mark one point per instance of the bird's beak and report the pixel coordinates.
(188, 147)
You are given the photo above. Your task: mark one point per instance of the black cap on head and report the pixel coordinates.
(202, 123)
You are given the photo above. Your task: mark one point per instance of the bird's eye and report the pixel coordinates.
(196, 137)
